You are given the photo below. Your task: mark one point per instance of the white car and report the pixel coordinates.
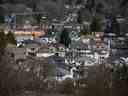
(20, 43)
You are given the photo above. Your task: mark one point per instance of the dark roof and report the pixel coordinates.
(61, 72)
(120, 53)
(58, 61)
(30, 42)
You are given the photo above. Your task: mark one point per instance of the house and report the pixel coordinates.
(62, 69)
(44, 51)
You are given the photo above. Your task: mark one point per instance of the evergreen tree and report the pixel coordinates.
(79, 18)
(95, 25)
(115, 26)
(2, 43)
(85, 31)
(10, 38)
(112, 26)
(64, 38)
(2, 40)
(1, 19)
(99, 8)
(108, 25)
(38, 18)
(90, 4)
(1, 15)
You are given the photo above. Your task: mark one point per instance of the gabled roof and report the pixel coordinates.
(58, 61)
